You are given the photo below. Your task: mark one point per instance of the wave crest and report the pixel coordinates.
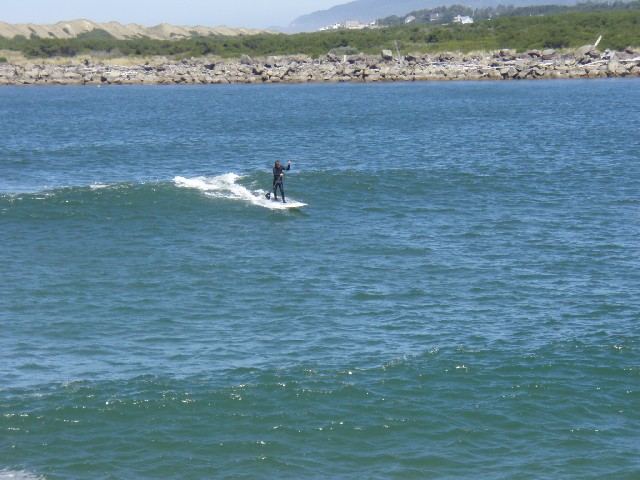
(226, 186)
(18, 475)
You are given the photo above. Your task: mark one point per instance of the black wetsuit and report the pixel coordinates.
(278, 180)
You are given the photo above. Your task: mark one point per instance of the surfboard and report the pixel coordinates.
(287, 205)
(291, 204)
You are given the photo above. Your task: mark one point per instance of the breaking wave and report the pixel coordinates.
(227, 186)
(18, 475)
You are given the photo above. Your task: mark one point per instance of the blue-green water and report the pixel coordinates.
(460, 298)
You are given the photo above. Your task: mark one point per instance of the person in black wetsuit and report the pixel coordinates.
(278, 179)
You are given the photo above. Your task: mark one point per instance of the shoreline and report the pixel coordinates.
(584, 62)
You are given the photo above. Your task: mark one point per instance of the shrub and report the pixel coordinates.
(571, 28)
(344, 51)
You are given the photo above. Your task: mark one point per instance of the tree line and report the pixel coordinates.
(619, 28)
(444, 15)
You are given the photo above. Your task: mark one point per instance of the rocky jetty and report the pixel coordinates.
(584, 62)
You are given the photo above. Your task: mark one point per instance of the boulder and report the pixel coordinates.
(507, 54)
(522, 74)
(355, 59)
(56, 74)
(536, 71)
(110, 77)
(90, 77)
(586, 53)
(271, 61)
(615, 68)
(494, 74)
(608, 55)
(246, 60)
(373, 64)
(594, 73)
(584, 50)
(548, 54)
(300, 58)
(387, 55)
(333, 58)
(534, 53)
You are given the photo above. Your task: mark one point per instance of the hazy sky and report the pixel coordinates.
(240, 13)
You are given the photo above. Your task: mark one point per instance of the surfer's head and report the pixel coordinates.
(277, 163)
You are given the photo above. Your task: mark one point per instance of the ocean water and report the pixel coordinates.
(458, 298)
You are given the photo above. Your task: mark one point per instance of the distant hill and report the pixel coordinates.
(72, 29)
(369, 10)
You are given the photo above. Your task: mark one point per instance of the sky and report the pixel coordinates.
(235, 13)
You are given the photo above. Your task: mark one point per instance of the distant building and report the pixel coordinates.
(335, 26)
(434, 17)
(410, 19)
(354, 25)
(462, 19)
(350, 25)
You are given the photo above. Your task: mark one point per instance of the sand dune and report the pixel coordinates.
(74, 28)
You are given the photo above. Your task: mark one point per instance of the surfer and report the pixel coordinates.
(278, 179)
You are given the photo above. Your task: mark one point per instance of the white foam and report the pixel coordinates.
(226, 186)
(18, 475)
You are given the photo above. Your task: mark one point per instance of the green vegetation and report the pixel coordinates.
(443, 15)
(3, 59)
(619, 28)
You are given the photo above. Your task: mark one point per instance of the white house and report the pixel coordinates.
(462, 19)
(349, 25)
(354, 25)
(335, 26)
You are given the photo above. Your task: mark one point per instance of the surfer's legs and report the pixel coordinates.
(275, 191)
